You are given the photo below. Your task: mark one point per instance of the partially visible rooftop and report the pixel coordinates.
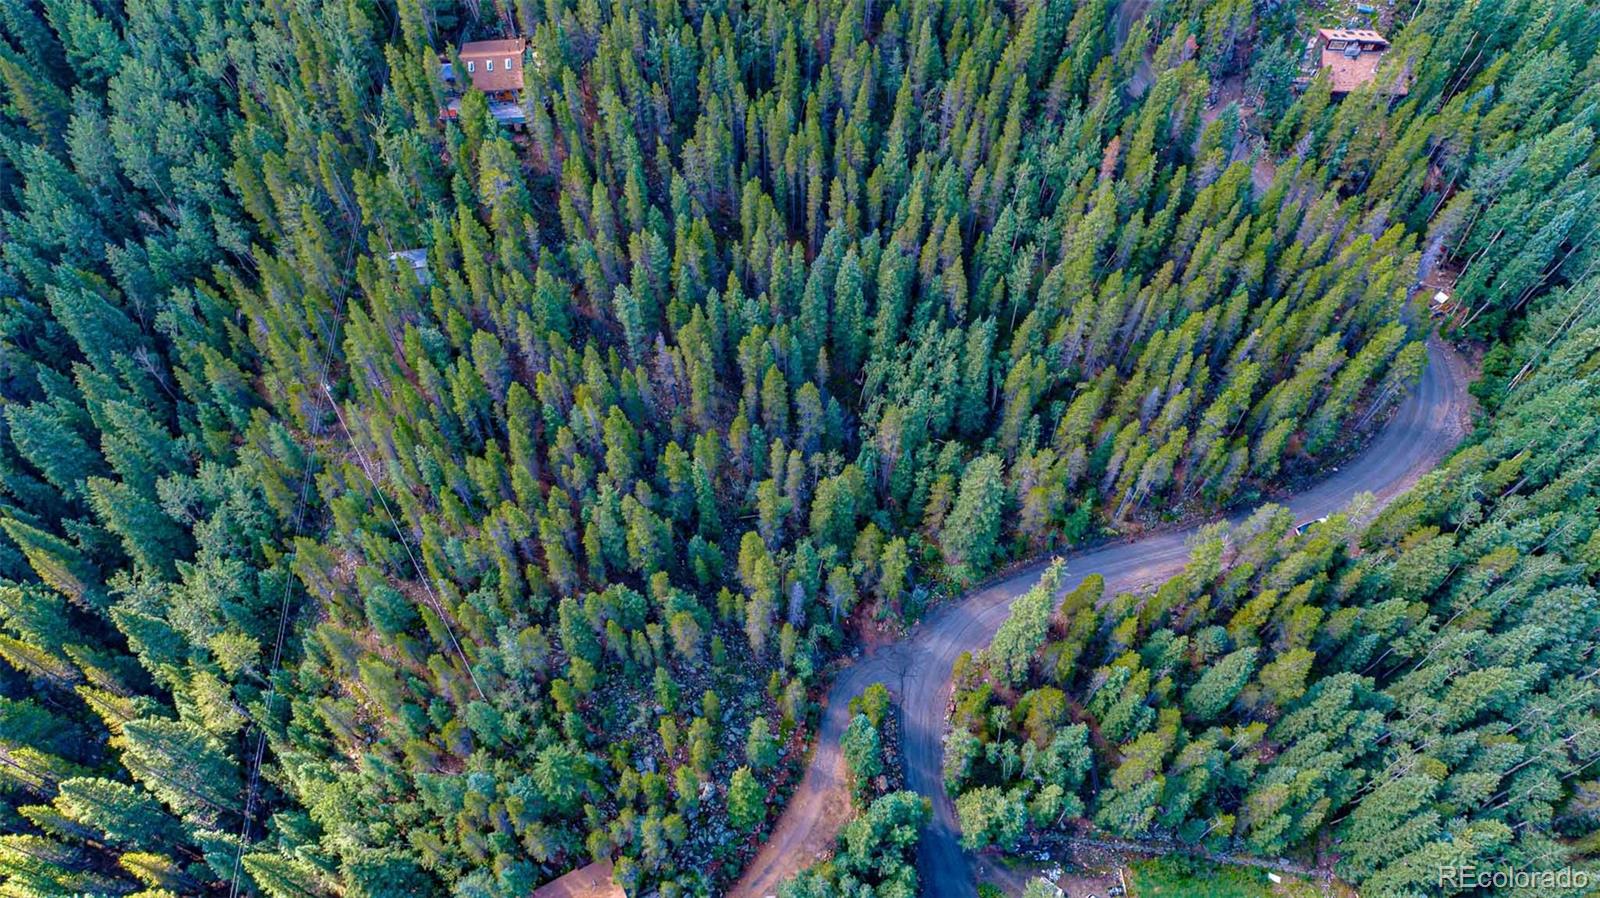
(500, 45)
(416, 260)
(1363, 35)
(593, 881)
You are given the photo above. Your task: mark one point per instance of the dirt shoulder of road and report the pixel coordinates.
(794, 843)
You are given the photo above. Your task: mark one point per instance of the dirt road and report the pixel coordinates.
(1427, 426)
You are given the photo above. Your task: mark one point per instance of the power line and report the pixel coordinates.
(301, 503)
(427, 584)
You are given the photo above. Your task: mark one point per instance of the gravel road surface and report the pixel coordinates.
(1429, 423)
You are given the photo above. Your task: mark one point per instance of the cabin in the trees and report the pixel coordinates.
(1351, 57)
(416, 260)
(493, 68)
(593, 881)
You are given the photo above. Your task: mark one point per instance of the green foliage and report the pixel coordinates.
(863, 753)
(990, 817)
(1220, 684)
(876, 853)
(767, 318)
(747, 801)
(874, 703)
(971, 534)
(761, 747)
(1182, 876)
(1024, 630)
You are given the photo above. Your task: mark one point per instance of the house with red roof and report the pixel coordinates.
(494, 68)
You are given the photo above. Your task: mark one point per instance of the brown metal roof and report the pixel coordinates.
(593, 881)
(494, 65)
(502, 45)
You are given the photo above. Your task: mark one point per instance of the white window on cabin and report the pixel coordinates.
(489, 63)
(508, 63)
(471, 67)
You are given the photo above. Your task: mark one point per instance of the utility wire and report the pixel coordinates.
(399, 532)
(301, 503)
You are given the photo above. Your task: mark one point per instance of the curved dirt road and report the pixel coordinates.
(1428, 425)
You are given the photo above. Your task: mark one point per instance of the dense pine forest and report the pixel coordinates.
(747, 333)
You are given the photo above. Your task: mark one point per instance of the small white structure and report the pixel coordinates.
(417, 259)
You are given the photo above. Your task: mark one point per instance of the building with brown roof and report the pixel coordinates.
(593, 881)
(1351, 57)
(495, 67)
